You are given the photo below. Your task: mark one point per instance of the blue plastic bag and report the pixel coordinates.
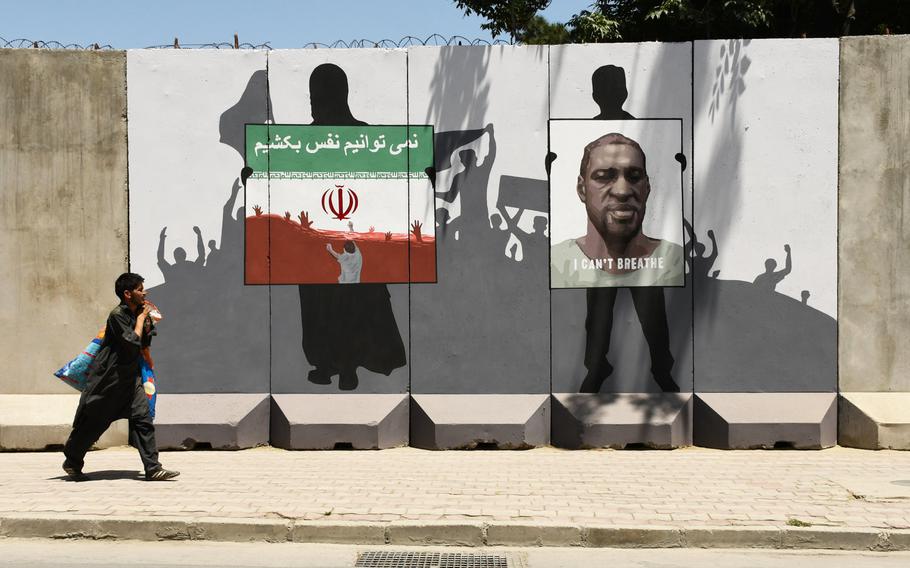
(75, 373)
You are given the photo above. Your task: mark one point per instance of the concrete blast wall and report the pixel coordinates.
(517, 333)
(875, 214)
(63, 207)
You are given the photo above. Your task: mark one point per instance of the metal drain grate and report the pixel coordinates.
(432, 560)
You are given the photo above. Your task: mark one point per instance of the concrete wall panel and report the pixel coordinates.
(484, 327)
(63, 220)
(186, 116)
(874, 212)
(658, 83)
(765, 168)
(376, 313)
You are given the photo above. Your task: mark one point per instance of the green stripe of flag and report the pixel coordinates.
(355, 149)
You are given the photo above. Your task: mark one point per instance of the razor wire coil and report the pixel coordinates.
(437, 40)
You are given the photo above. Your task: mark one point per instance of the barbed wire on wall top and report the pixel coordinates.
(407, 41)
(39, 44)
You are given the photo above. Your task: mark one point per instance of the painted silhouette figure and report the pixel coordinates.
(769, 279)
(500, 237)
(182, 268)
(345, 327)
(446, 225)
(699, 262)
(470, 184)
(608, 89)
(535, 245)
(232, 122)
(805, 297)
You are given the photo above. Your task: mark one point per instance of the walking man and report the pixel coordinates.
(114, 388)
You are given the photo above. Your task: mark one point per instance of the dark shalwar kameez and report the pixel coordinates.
(114, 390)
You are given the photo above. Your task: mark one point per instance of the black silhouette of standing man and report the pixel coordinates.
(345, 326)
(609, 91)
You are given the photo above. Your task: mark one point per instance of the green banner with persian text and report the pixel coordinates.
(293, 151)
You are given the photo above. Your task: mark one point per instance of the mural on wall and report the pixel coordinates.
(748, 282)
(338, 177)
(341, 330)
(766, 202)
(650, 341)
(186, 214)
(616, 194)
(483, 328)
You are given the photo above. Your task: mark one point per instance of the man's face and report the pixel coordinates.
(615, 189)
(136, 297)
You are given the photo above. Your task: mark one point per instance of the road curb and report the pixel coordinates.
(444, 533)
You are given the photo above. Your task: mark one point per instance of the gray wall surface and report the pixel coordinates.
(763, 155)
(63, 207)
(765, 167)
(186, 114)
(874, 297)
(483, 328)
(659, 83)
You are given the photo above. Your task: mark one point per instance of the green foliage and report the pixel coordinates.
(504, 16)
(539, 31)
(594, 27)
(683, 20)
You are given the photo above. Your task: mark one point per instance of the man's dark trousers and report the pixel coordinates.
(93, 424)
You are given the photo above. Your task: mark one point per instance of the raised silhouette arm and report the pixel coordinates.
(491, 154)
(200, 247)
(788, 265)
(228, 211)
(511, 222)
(332, 252)
(162, 264)
(713, 254)
(687, 247)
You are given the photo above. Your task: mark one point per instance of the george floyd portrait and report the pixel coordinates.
(616, 204)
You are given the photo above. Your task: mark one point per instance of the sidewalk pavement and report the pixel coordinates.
(837, 498)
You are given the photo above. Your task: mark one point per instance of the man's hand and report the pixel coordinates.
(328, 247)
(787, 248)
(162, 235)
(142, 319)
(197, 231)
(711, 233)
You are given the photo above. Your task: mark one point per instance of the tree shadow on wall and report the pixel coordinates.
(483, 327)
(214, 335)
(460, 88)
(721, 165)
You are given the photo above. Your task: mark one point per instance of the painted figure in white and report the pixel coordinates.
(350, 260)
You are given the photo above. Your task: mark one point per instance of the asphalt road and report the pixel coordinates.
(45, 553)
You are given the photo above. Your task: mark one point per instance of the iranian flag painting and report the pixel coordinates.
(339, 204)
